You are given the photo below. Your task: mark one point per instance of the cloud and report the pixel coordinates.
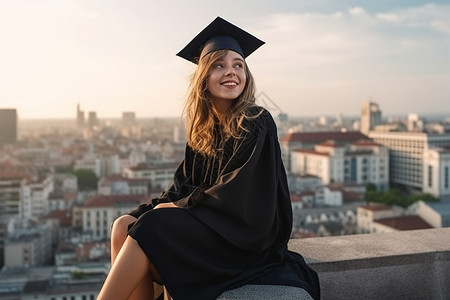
(330, 57)
(429, 16)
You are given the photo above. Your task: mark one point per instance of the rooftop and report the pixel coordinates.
(318, 137)
(405, 223)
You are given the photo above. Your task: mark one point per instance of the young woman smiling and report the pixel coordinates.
(227, 218)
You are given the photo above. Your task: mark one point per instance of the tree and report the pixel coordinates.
(87, 180)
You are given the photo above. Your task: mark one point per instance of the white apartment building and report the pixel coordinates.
(437, 214)
(98, 212)
(159, 176)
(40, 191)
(29, 246)
(15, 194)
(326, 196)
(367, 214)
(361, 162)
(308, 140)
(436, 166)
(378, 218)
(412, 161)
(116, 184)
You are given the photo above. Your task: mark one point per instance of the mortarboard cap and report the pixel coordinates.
(219, 35)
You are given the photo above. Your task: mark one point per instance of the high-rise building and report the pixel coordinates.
(370, 117)
(80, 117)
(413, 160)
(92, 120)
(8, 126)
(128, 118)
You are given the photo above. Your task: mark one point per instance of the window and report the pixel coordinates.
(430, 176)
(446, 177)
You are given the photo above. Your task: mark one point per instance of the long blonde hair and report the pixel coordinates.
(200, 117)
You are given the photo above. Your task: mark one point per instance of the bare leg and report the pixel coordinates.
(127, 272)
(146, 289)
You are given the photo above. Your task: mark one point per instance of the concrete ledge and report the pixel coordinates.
(398, 265)
(267, 292)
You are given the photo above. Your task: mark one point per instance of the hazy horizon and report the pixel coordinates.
(322, 57)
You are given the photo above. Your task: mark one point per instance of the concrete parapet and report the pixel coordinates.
(398, 265)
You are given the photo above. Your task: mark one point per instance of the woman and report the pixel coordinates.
(227, 218)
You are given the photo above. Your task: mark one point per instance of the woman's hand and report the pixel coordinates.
(165, 205)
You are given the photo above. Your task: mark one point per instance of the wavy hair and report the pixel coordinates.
(202, 122)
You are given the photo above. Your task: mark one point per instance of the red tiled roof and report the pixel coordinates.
(349, 196)
(10, 172)
(366, 143)
(309, 151)
(318, 137)
(64, 217)
(110, 200)
(70, 195)
(296, 198)
(405, 223)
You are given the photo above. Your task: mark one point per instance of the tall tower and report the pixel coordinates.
(80, 117)
(8, 126)
(370, 117)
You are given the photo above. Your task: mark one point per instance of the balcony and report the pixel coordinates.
(398, 265)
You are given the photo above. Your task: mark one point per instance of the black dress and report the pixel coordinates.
(233, 224)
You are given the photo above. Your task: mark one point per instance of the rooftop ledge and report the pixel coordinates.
(399, 265)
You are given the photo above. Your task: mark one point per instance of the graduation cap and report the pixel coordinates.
(219, 35)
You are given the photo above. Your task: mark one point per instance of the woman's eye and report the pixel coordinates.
(217, 66)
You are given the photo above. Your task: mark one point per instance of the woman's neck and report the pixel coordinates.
(221, 108)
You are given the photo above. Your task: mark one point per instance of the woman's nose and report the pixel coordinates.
(230, 71)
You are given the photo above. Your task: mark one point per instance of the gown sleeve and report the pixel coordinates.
(181, 187)
(250, 205)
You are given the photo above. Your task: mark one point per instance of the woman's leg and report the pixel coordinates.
(129, 269)
(146, 289)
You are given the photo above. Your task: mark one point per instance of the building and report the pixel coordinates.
(15, 194)
(29, 245)
(378, 218)
(80, 118)
(41, 187)
(412, 162)
(360, 162)
(436, 165)
(77, 282)
(98, 212)
(437, 214)
(93, 121)
(366, 214)
(8, 126)
(116, 184)
(159, 176)
(370, 117)
(308, 140)
(406, 222)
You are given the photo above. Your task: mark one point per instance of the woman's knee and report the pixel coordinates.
(119, 227)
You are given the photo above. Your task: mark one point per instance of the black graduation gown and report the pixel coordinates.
(234, 223)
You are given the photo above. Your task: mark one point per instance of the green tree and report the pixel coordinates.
(371, 187)
(78, 274)
(87, 180)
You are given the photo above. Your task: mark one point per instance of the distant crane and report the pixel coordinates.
(264, 99)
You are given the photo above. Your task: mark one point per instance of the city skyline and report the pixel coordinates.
(321, 57)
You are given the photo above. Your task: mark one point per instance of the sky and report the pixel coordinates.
(321, 57)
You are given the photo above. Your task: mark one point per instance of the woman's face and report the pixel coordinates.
(227, 80)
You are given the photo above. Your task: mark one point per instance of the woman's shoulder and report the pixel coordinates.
(258, 116)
